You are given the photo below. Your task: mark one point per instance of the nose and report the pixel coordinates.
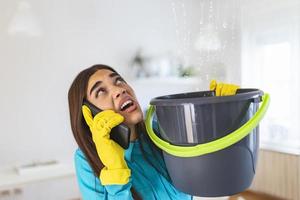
(118, 92)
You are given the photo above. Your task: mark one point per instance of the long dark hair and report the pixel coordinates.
(81, 131)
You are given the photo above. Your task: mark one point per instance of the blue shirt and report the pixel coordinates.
(144, 178)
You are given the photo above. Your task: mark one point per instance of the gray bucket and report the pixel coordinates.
(202, 120)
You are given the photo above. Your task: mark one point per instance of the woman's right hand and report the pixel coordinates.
(111, 154)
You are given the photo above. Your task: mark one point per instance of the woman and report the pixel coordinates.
(104, 169)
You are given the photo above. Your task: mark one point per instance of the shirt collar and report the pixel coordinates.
(128, 152)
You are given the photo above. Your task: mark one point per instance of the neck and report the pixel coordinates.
(133, 133)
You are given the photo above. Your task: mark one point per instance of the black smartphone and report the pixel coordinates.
(120, 134)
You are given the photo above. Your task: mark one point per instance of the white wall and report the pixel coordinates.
(38, 65)
(270, 61)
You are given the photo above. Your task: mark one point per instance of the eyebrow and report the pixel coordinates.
(116, 74)
(95, 86)
(99, 82)
(113, 74)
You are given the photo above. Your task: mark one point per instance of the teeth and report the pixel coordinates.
(126, 103)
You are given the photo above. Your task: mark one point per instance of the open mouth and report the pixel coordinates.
(127, 105)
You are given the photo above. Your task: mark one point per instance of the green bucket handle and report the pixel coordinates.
(210, 147)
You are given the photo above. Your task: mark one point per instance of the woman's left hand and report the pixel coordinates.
(223, 89)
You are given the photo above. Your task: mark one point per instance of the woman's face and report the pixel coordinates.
(107, 90)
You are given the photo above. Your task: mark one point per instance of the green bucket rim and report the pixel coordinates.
(209, 147)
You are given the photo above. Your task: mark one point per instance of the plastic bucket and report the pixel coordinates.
(210, 144)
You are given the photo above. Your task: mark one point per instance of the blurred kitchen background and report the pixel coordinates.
(159, 47)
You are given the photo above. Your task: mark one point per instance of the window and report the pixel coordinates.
(270, 61)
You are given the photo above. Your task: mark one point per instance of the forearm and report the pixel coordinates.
(119, 191)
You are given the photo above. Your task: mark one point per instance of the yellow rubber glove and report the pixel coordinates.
(223, 89)
(111, 154)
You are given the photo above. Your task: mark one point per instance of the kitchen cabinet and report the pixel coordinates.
(59, 184)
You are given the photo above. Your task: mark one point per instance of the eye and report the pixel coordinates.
(119, 81)
(100, 91)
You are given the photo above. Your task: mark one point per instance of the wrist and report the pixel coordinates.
(114, 176)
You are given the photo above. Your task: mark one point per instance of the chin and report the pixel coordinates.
(134, 118)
